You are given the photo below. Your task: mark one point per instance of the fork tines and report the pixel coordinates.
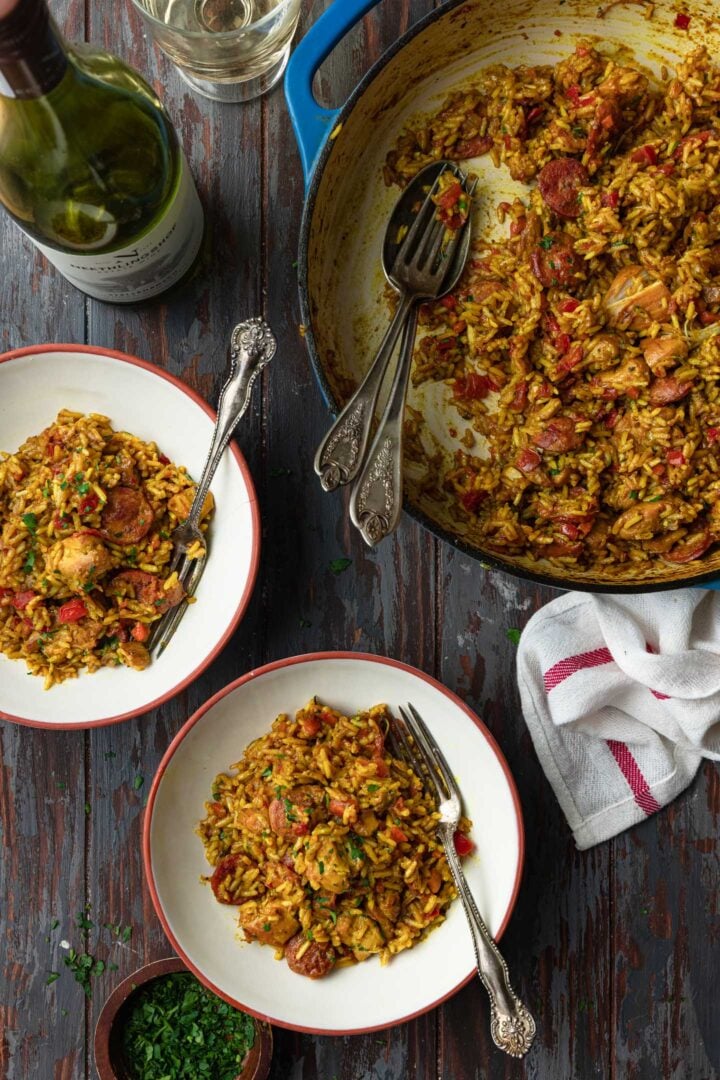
(417, 747)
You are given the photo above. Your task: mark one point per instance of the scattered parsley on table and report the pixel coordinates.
(338, 566)
(176, 1028)
(513, 635)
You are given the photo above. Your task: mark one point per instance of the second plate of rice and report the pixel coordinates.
(253, 834)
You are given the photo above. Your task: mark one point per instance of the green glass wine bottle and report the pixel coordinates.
(90, 165)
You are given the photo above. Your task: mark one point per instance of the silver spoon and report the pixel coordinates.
(376, 499)
(416, 266)
(252, 346)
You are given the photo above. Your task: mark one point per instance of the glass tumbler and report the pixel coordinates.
(229, 50)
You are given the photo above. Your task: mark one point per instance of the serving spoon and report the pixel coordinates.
(377, 496)
(415, 258)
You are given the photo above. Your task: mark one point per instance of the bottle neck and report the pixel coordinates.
(33, 59)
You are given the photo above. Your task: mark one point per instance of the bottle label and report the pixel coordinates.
(149, 266)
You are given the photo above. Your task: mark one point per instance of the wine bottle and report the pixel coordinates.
(90, 165)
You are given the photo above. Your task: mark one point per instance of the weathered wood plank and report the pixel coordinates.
(665, 940)
(384, 601)
(563, 911)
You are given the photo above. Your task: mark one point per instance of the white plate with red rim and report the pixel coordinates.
(35, 383)
(366, 996)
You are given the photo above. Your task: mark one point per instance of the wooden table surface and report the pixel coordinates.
(615, 949)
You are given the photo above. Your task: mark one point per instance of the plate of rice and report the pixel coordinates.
(99, 454)
(293, 859)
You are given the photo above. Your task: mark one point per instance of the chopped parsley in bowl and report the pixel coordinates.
(161, 1023)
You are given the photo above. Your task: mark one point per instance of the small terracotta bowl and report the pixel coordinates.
(109, 1058)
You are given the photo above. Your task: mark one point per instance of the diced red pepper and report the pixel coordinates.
(610, 198)
(571, 359)
(459, 327)
(527, 460)
(62, 521)
(682, 21)
(667, 169)
(518, 226)
(562, 343)
(645, 155)
(707, 318)
(474, 387)
(472, 500)
(658, 469)
(445, 344)
(519, 398)
(633, 392)
(22, 599)
(89, 503)
(398, 835)
(140, 631)
(676, 457)
(568, 529)
(612, 418)
(569, 306)
(450, 197)
(713, 434)
(381, 768)
(72, 611)
(507, 139)
(573, 93)
(449, 302)
(163, 459)
(463, 844)
(534, 114)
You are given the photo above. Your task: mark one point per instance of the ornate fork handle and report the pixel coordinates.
(252, 346)
(377, 498)
(511, 1025)
(341, 452)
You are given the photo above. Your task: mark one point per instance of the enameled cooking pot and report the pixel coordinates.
(343, 151)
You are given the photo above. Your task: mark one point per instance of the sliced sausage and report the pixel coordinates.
(80, 560)
(664, 391)
(558, 436)
(691, 548)
(147, 588)
(226, 881)
(559, 182)
(470, 148)
(126, 517)
(554, 261)
(316, 961)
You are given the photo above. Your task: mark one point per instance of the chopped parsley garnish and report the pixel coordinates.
(338, 566)
(176, 1028)
(30, 522)
(321, 866)
(53, 976)
(305, 624)
(266, 927)
(267, 773)
(138, 782)
(29, 561)
(84, 967)
(547, 242)
(513, 635)
(355, 847)
(83, 923)
(289, 808)
(373, 787)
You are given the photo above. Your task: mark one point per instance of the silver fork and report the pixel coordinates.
(511, 1025)
(252, 346)
(418, 272)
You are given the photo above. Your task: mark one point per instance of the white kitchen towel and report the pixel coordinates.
(622, 698)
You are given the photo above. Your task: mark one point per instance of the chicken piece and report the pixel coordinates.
(180, 504)
(664, 351)
(388, 905)
(268, 921)
(146, 588)
(640, 522)
(81, 560)
(367, 825)
(558, 436)
(636, 299)
(83, 634)
(296, 811)
(314, 959)
(133, 655)
(602, 351)
(631, 374)
(255, 821)
(361, 934)
(328, 866)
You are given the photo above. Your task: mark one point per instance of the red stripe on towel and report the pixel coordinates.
(564, 668)
(656, 693)
(636, 781)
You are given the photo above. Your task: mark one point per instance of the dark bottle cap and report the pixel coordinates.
(32, 54)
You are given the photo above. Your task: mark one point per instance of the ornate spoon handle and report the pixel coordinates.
(252, 346)
(511, 1025)
(376, 500)
(341, 452)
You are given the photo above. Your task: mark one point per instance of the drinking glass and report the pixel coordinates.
(229, 50)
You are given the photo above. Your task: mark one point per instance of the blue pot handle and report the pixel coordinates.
(311, 122)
